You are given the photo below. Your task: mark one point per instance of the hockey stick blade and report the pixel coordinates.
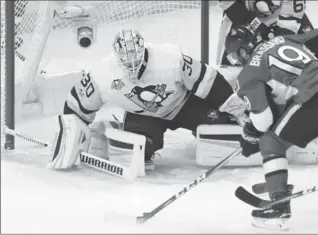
(114, 217)
(245, 196)
(143, 218)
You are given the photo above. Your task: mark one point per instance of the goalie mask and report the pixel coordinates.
(130, 50)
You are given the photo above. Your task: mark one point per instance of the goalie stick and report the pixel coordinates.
(9, 131)
(245, 196)
(86, 158)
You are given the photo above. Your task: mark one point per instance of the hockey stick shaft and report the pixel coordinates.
(150, 214)
(86, 158)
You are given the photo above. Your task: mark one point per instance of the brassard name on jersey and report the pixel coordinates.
(255, 61)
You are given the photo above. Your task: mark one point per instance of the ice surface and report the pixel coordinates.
(35, 199)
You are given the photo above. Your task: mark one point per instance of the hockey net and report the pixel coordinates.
(35, 24)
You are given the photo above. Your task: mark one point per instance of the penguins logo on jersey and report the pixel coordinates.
(117, 84)
(149, 98)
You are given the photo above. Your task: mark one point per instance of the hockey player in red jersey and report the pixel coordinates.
(267, 17)
(279, 84)
(159, 88)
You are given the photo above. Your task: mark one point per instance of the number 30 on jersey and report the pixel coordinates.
(87, 84)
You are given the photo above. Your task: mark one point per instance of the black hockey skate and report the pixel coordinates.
(149, 163)
(276, 217)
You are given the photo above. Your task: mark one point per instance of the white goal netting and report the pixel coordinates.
(33, 23)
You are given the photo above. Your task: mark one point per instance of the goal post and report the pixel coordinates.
(28, 26)
(9, 91)
(205, 31)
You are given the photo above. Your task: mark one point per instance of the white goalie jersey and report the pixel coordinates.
(165, 81)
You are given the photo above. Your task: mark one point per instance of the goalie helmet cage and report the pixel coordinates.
(26, 26)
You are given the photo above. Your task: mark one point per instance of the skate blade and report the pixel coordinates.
(277, 224)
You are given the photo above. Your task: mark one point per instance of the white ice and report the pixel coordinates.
(35, 199)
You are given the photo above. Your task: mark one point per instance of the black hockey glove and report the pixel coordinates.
(249, 139)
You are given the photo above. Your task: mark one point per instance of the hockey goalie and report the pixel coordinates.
(158, 86)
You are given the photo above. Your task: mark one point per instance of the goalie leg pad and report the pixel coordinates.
(107, 148)
(129, 149)
(73, 137)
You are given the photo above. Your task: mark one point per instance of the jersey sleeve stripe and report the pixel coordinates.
(206, 83)
(215, 97)
(290, 23)
(200, 78)
(291, 18)
(68, 110)
(83, 110)
(73, 105)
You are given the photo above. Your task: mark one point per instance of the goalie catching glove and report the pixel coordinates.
(235, 106)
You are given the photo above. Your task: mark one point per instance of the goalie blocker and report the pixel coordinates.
(75, 141)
